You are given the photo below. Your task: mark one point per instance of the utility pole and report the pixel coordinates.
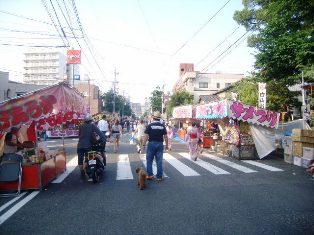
(304, 104)
(163, 99)
(114, 90)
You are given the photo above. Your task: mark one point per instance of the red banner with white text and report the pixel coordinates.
(48, 107)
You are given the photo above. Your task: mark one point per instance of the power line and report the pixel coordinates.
(147, 24)
(77, 16)
(235, 46)
(49, 14)
(44, 22)
(67, 12)
(131, 46)
(25, 45)
(54, 10)
(225, 39)
(29, 32)
(85, 37)
(194, 35)
(223, 53)
(71, 28)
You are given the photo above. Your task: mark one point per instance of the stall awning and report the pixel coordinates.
(213, 110)
(183, 112)
(239, 111)
(46, 106)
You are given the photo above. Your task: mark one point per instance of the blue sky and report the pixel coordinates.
(144, 40)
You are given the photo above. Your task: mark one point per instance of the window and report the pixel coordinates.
(203, 85)
(218, 85)
(227, 84)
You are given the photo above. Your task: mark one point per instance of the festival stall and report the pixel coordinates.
(236, 123)
(67, 130)
(183, 115)
(34, 112)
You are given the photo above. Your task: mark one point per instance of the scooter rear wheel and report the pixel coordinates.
(95, 178)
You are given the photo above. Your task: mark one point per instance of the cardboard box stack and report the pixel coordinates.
(302, 146)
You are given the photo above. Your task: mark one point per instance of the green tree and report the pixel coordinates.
(247, 91)
(278, 96)
(283, 37)
(178, 98)
(156, 99)
(122, 106)
(107, 99)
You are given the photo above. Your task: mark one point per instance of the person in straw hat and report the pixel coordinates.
(156, 134)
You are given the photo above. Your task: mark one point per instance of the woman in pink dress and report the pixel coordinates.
(169, 134)
(192, 137)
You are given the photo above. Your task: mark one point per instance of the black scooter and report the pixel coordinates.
(95, 163)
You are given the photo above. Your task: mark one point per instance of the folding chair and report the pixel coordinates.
(11, 171)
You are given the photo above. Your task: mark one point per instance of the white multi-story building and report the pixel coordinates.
(137, 109)
(202, 85)
(45, 67)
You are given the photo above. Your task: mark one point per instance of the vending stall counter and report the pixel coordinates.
(37, 175)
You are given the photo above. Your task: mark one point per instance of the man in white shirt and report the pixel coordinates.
(103, 127)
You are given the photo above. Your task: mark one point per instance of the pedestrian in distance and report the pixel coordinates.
(104, 128)
(116, 131)
(169, 135)
(139, 133)
(87, 133)
(192, 137)
(156, 134)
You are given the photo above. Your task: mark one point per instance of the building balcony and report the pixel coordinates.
(40, 59)
(40, 73)
(42, 66)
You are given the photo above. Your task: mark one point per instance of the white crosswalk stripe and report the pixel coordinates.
(262, 165)
(229, 163)
(143, 158)
(124, 171)
(206, 165)
(182, 168)
(70, 167)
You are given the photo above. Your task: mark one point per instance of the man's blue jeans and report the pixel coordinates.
(154, 149)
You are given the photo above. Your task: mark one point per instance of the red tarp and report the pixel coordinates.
(49, 106)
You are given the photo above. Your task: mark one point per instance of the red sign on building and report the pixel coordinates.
(73, 56)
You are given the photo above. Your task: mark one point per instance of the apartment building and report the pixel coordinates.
(137, 109)
(203, 85)
(44, 67)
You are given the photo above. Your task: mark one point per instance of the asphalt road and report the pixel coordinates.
(211, 196)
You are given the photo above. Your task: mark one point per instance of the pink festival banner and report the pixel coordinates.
(48, 106)
(183, 112)
(253, 114)
(213, 110)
